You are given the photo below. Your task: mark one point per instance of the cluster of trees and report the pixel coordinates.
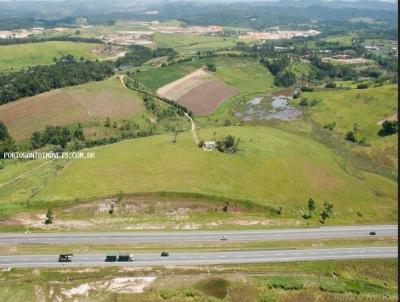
(123, 135)
(151, 104)
(389, 127)
(326, 212)
(138, 54)
(161, 112)
(285, 79)
(67, 71)
(7, 144)
(34, 39)
(228, 145)
(354, 136)
(75, 139)
(325, 69)
(276, 66)
(56, 135)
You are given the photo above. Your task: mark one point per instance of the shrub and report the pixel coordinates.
(49, 217)
(304, 102)
(328, 285)
(285, 282)
(362, 86)
(314, 102)
(307, 89)
(330, 126)
(330, 85)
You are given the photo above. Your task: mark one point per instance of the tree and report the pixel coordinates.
(111, 22)
(3, 132)
(37, 140)
(388, 128)
(49, 217)
(7, 144)
(362, 86)
(352, 135)
(327, 211)
(311, 206)
(229, 145)
(211, 67)
(107, 122)
(285, 79)
(78, 134)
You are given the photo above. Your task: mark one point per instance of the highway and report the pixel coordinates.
(198, 236)
(206, 258)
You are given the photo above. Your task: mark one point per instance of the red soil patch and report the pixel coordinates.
(205, 98)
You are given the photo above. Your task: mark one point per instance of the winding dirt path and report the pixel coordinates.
(193, 123)
(193, 129)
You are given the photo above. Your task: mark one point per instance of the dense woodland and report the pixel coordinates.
(34, 39)
(137, 55)
(67, 71)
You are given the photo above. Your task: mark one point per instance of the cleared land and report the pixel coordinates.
(83, 103)
(180, 87)
(190, 42)
(24, 55)
(245, 74)
(274, 168)
(206, 97)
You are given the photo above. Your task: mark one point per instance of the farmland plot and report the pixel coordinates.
(205, 98)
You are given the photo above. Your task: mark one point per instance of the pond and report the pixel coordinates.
(270, 107)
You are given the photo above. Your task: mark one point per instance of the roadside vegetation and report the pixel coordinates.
(353, 280)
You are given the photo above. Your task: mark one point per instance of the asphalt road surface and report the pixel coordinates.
(206, 258)
(198, 236)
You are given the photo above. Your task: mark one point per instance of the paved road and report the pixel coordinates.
(185, 236)
(206, 258)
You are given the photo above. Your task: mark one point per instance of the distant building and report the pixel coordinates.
(209, 145)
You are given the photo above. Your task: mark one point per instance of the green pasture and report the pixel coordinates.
(23, 55)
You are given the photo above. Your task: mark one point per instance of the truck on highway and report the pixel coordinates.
(65, 258)
(123, 257)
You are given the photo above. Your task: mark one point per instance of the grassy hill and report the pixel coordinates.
(24, 55)
(364, 107)
(274, 168)
(85, 103)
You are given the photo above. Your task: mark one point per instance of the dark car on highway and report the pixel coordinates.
(164, 254)
(65, 258)
(372, 233)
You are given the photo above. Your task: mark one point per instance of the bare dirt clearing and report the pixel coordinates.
(82, 103)
(205, 98)
(279, 34)
(393, 117)
(178, 88)
(348, 61)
